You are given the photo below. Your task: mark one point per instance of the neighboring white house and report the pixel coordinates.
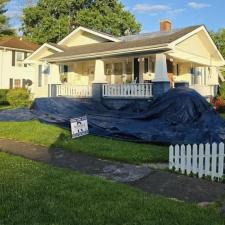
(13, 72)
(129, 66)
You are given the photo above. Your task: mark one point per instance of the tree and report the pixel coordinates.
(219, 39)
(4, 25)
(52, 20)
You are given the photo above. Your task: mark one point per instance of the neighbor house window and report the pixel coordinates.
(17, 83)
(108, 69)
(129, 68)
(118, 68)
(19, 59)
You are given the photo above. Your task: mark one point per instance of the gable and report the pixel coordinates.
(44, 51)
(83, 38)
(200, 45)
(195, 45)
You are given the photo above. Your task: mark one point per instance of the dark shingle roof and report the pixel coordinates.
(164, 38)
(17, 43)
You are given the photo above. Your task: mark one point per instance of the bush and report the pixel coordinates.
(18, 97)
(222, 90)
(3, 96)
(219, 104)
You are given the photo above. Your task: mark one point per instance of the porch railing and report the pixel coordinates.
(77, 91)
(127, 90)
(205, 91)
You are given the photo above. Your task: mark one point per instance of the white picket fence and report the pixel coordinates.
(202, 160)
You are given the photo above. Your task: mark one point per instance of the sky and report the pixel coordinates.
(149, 12)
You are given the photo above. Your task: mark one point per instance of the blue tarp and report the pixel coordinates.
(180, 116)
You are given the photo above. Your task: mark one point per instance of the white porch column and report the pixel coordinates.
(161, 74)
(99, 72)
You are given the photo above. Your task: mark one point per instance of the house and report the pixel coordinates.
(88, 63)
(13, 72)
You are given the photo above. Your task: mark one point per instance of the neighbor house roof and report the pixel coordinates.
(17, 43)
(129, 43)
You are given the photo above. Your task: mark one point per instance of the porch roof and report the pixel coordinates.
(148, 44)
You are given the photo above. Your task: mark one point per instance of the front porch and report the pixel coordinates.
(130, 78)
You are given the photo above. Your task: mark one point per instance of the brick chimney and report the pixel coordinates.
(165, 25)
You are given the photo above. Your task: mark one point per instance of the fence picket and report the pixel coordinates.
(214, 159)
(201, 153)
(207, 159)
(171, 157)
(221, 160)
(177, 156)
(188, 161)
(183, 158)
(194, 160)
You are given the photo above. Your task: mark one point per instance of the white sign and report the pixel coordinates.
(79, 127)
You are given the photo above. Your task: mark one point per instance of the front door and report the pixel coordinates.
(170, 71)
(136, 70)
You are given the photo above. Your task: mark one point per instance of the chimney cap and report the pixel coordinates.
(165, 20)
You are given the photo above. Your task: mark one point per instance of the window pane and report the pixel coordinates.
(151, 66)
(118, 69)
(17, 83)
(46, 69)
(129, 68)
(108, 69)
(146, 65)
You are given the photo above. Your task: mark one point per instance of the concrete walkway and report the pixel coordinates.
(159, 182)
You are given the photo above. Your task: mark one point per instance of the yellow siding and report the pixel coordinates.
(194, 45)
(83, 38)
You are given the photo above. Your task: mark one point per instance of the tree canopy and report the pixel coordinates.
(219, 39)
(4, 25)
(52, 20)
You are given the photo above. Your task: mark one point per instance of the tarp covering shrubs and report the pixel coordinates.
(178, 116)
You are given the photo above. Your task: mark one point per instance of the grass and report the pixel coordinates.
(37, 194)
(49, 135)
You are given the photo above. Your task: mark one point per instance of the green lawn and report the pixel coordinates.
(48, 135)
(37, 194)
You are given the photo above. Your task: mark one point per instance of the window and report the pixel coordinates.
(151, 65)
(146, 65)
(129, 68)
(17, 83)
(63, 69)
(108, 69)
(118, 68)
(46, 70)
